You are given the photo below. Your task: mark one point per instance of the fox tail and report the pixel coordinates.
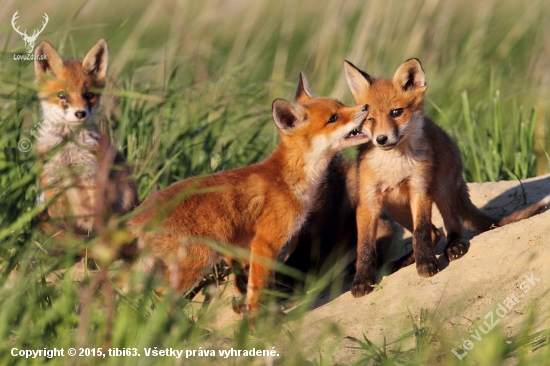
(476, 219)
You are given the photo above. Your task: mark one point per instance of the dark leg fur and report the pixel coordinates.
(367, 220)
(241, 282)
(426, 262)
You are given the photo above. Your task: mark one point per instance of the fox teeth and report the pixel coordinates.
(357, 131)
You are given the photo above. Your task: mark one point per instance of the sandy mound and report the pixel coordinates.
(493, 271)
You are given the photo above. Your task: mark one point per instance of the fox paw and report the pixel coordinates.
(238, 304)
(361, 288)
(455, 250)
(427, 267)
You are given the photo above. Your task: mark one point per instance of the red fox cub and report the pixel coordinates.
(69, 143)
(410, 163)
(257, 207)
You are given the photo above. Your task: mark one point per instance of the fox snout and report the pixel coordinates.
(381, 139)
(385, 139)
(76, 113)
(80, 114)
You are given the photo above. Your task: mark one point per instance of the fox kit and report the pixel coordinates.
(69, 143)
(410, 163)
(258, 207)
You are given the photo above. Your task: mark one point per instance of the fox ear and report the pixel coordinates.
(359, 81)
(95, 62)
(410, 76)
(287, 115)
(51, 63)
(303, 93)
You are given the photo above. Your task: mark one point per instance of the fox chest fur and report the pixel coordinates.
(71, 173)
(71, 147)
(393, 169)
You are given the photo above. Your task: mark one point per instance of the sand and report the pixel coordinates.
(497, 269)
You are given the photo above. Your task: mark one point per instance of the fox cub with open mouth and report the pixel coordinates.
(257, 208)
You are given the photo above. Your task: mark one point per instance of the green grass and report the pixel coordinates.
(426, 344)
(191, 85)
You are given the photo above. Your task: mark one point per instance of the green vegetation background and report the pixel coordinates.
(190, 93)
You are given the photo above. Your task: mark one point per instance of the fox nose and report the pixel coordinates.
(382, 139)
(80, 114)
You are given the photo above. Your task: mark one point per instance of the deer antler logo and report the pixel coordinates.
(29, 40)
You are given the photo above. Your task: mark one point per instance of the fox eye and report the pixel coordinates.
(89, 95)
(396, 112)
(333, 118)
(62, 95)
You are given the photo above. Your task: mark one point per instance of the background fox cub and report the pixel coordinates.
(257, 207)
(410, 163)
(71, 145)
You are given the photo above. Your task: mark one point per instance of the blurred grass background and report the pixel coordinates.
(190, 93)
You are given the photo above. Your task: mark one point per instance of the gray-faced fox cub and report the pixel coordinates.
(410, 164)
(70, 144)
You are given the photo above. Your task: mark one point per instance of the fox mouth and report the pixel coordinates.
(387, 147)
(356, 133)
(390, 146)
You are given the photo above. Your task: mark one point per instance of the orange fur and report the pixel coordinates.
(257, 207)
(410, 164)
